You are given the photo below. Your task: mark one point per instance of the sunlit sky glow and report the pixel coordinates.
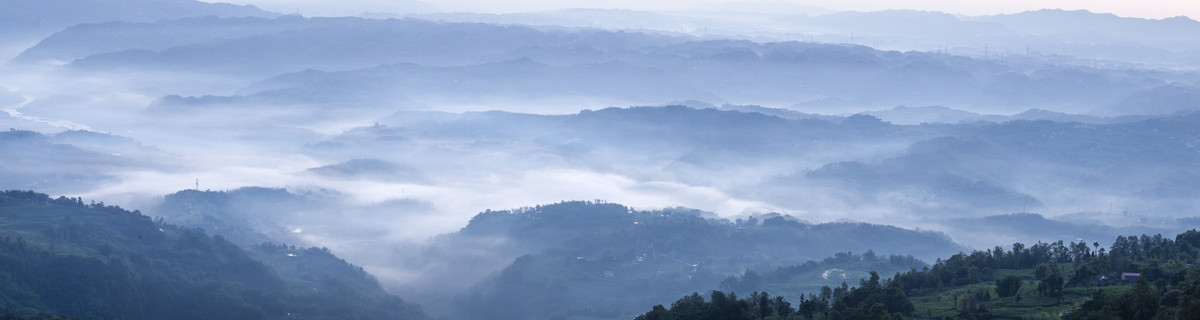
(1155, 9)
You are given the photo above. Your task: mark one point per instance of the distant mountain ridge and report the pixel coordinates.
(1054, 22)
(344, 43)
(1017, 226)
(615, 68)
(1085, 34)
(427, 65)
(38, 18)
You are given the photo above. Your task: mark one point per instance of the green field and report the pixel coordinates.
(1031, 305)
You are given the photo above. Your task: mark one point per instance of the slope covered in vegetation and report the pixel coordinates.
(1140, 277)
(64, 257)
(606, 260)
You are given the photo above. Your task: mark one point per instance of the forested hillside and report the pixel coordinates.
(546, 255)
(61, 256)
(1140, 277)
(607, 260)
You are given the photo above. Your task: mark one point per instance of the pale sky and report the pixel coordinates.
(1129, 8)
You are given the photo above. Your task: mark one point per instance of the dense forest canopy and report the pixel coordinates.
(1141, 277)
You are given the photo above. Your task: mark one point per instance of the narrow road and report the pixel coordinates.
(13, 112)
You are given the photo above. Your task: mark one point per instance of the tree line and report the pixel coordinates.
(1167, 284)
(871, 299)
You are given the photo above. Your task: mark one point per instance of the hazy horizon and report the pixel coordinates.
(1151, 9)
(591, 163)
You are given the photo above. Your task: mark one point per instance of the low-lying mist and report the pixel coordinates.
(459, 158)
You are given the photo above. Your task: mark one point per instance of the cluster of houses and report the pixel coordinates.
(1127, 278)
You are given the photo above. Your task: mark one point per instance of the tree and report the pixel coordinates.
(1008, 286)
(1143, 301)
(970, 306)
(658, 313)
(869, 256)
(782, 307)
(750, 281)
(1050, 279)
(1051, 286)
(1042, 271)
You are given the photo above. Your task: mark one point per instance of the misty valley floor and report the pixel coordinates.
(180, 159)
